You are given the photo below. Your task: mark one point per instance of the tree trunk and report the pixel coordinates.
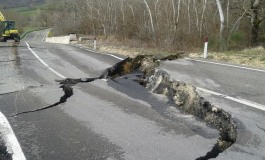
(254, 34)
(255, 23)
(123, 20)
(189, 16)
(222, 21)
(197, 16)
(151, 20)
(203, 12)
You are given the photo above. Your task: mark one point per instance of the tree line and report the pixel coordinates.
(170, 23)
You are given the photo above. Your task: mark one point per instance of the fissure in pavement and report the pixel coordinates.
(184, 95)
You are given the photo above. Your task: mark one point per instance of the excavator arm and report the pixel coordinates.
(2, 18)
(8, 30)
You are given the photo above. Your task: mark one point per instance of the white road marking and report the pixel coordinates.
(87, 49)
(115, 56)
(228, 65)
(238, 100)
(25, 36)
(44, 63)
(10, 139)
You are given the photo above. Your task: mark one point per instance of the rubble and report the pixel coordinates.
(184, 95)
(188, 100)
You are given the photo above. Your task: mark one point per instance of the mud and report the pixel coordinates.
(182, 94)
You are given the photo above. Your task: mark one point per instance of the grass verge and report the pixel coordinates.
(253, 57)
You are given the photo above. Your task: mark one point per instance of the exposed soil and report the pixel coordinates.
(188, 100)
(184, 95)
(159, 82)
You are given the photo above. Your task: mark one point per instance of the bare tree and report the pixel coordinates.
(151, 20)
(202, 17)
(256, 8)
(170, 23)
(222, 21)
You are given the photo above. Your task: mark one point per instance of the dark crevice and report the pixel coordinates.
(67, 87)
(8, 93)
(212, 154)
(182, 94)
(29, 87)
(68, 92)
(261, 128)
(123, 67)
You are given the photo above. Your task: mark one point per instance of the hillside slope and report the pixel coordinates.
(20, 3)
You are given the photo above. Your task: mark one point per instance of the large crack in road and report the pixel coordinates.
(184, 95)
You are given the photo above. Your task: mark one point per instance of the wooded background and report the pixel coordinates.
(174, 24)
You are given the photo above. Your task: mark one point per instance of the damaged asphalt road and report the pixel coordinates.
(160, 82)
(116, 118)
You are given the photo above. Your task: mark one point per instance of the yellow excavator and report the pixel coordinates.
(8, 30)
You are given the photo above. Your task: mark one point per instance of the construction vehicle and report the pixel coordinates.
(8, 30)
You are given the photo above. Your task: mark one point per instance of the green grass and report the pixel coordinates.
(29, 11)
(247, 52)
(262, 59)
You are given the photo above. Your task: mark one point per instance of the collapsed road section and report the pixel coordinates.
(185, 96)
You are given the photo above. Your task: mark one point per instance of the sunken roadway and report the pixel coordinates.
(118, 118)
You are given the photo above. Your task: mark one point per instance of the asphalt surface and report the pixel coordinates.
(238, 83)
(103, 119)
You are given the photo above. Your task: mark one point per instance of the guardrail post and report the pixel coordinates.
(95, 43)
(205, 53)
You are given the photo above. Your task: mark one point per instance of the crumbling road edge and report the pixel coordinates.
(184, 95)
(188, 100)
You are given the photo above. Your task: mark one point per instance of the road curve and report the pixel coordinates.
(102, 120)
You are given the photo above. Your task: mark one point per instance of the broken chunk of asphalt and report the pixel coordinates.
(188, 100)
(184, 95)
